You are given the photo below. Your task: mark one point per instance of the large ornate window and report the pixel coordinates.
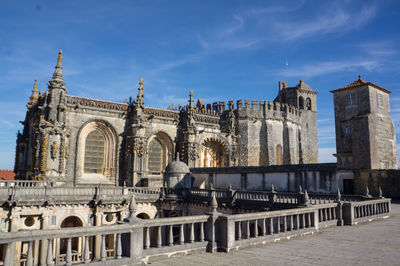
(159, 153)
(155, 158)
(94, 152)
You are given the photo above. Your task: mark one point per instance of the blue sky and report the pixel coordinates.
(222, 50)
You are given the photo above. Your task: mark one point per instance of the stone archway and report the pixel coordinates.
(76, 242)
(212, 153)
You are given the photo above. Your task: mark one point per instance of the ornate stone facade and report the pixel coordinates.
(137, 142)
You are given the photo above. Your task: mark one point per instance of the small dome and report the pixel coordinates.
(177, 167)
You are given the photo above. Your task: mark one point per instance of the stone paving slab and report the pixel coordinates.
(373, 243)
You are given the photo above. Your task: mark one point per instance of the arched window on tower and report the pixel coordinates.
(301, 103)
(155, 159)
(278, 154)
(94, 153)
(308, 104)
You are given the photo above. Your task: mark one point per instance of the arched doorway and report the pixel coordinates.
(76, 242)
(212, 154)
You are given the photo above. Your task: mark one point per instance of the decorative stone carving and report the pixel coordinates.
(44, 155)
(54, 150)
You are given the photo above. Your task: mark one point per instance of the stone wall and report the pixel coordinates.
(388, 180)
(316, 178)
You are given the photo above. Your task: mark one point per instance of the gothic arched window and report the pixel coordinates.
(94, 153)
(308, 104)
(155, 160)
(301, 103)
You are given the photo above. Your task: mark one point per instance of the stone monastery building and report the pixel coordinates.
(93, 178)
(79, 141)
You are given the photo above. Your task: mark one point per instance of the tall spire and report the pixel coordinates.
(140, 96)
(191, 100)
(58, 80)
(34, 97)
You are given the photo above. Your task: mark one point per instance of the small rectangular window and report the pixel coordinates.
(347, 130)
(380, 100)
(350, 99)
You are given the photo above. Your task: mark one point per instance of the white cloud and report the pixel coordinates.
(338, 20)
(379, 48)
(325, 155)
(323, 68)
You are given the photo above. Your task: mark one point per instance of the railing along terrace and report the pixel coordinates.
(38, 191)
(174, 234)
(251, 228)
(26, 183)
(355, 212)
(130, 241)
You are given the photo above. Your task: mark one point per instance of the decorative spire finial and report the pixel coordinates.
(380, 192)
(367, 192)
(338, 196)
(57, 82)
(140, 96)
(214, 203)
(59, 57)
(191, 99)
(34, 96)
(359, 77)
(306, 198)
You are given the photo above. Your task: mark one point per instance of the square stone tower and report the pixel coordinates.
(365, 135)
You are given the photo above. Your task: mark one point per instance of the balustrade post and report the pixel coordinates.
(118, 247)
(271, 226)
(159, 237)
(247, 229)
(309, 220)
(239, 230)
(255, 228)
(68, 256)
(170, 236)
(7, 258)
(284, 223)
(43, 242)
(201, 232)
(147, 238)
(264, 228)
(291, 223)
(191, 238)
(103, 252)
(29, 258)
(181, 235)
(86, 253)
(49, 258)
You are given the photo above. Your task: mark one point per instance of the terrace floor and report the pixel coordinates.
(374, 243)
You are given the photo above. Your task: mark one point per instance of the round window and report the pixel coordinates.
(109, 217)
(29, 221)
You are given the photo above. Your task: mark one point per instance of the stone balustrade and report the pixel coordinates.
(38, 193)
(355, 212)
(26, 183)
(140, 240)
(252, 228)
(329, 214)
